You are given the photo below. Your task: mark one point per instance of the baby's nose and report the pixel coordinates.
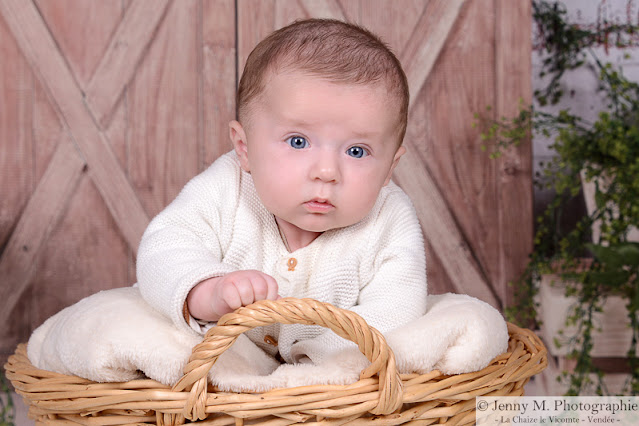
(326, 168)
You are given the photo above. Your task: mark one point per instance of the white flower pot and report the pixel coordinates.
(612, 336)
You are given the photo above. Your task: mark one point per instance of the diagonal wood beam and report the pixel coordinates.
(442, 232)
(427, 41)
(123, 55)
(40, 215)
(63, 172)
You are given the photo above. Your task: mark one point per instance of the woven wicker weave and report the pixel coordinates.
(381, 395)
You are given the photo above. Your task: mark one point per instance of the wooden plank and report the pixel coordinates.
(123, 55)
(18, 174)
(16, 142)
(515, 205)
(217, 76)
(437, 215)
(450, 224)
(163, 103)
(40, 50)
(18, 261)
(116, 134)
(419, 55)
(255, 20)
(462, 83)
(329, 9)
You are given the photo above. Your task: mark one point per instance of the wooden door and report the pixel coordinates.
(109, 108)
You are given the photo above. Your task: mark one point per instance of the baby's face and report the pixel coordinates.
(319, 152)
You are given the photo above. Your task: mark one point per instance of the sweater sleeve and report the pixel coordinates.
(393, 286)
(185, 243)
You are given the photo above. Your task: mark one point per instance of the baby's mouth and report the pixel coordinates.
(319, 205)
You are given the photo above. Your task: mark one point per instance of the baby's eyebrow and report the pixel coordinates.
(364, 134)
(299, 123)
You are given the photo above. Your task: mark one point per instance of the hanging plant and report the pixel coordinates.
(604, 152)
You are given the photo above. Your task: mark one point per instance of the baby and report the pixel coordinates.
(304, 205)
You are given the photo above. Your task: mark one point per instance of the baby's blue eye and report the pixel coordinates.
(357, 152)
(297, 142)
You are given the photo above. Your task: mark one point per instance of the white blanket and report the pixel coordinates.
(115, 336)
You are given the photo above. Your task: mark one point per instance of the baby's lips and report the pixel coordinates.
(321, 201)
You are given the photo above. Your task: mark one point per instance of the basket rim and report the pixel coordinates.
(50, 394)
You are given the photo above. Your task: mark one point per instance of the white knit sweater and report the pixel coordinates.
(217, 225)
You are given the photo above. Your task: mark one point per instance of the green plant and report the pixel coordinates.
(615, 271)
(604, 151)
(7, 409)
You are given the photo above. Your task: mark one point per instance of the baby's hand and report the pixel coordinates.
(214, 297)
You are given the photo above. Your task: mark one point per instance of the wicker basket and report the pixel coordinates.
(381, 395)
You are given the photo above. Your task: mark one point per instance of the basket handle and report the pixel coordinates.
(344, 323)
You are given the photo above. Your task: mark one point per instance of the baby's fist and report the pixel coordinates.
(212, 298)
(242, 288)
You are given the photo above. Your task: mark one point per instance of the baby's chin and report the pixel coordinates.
(319, 223)
(321, 228)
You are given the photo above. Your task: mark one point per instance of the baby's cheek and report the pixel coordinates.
(360, 203)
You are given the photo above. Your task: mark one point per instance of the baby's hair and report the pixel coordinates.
(334, 50)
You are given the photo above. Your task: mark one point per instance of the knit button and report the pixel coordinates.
(270, 340)
(292, 263)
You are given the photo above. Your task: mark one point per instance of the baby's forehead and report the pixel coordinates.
(287, 93)
(380, 86)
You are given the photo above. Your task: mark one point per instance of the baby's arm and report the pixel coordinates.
(184, 247)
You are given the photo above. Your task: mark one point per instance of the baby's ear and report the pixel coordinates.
(238, 138)
(400, 151)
